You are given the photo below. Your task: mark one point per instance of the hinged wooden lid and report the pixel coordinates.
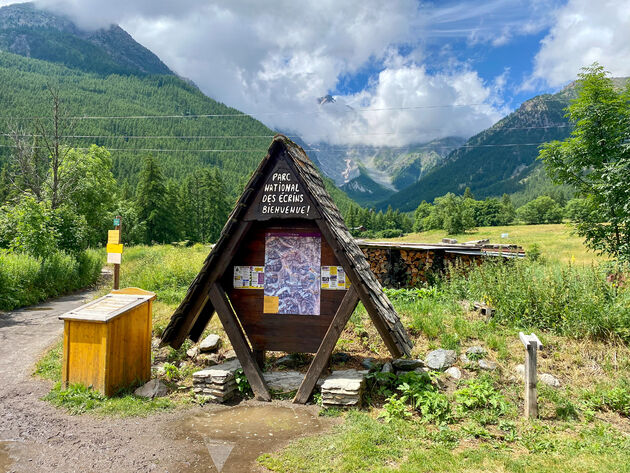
(107, 307)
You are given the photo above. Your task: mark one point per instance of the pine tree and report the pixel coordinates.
(152, 203)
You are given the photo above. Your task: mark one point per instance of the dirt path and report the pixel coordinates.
(36, 437)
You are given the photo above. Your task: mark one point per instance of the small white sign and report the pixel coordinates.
(114, 258)
(505, 235)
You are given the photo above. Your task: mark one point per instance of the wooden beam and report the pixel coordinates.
(351, 272)
(201, 295)
(239, 343)
(205, 316)
(322, 356)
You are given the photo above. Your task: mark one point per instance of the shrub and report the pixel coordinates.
(26, 280)
(479, 393)
(570, 300)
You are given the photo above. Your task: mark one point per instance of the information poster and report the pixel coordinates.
(292, 273)
(249, 277)
(334, 277)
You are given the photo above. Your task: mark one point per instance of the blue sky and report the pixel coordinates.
(401, 71)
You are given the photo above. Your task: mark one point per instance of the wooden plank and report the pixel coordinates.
(357, 283)
(216, 271)
(66, 353)
(322, 356)
(239, 343)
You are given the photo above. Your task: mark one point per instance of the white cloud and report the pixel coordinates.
(584, 31)
(273, 59)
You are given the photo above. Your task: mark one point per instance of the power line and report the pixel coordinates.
(223, 150)
(252, 115)
(193, 137)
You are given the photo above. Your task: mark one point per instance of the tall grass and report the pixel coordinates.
(26, 280)
(165, 270)
(570, 300)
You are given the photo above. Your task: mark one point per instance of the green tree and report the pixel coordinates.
(508, 212)
(595, 160)
(422, 211)
(540, 210)
(153, 204)
(88, 187)
(452, 213)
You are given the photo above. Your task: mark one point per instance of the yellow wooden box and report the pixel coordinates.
(107, 342)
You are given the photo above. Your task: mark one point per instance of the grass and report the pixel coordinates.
(26, 280)
(557, 242)
(364, 444)
(468, 426)
(79, 399)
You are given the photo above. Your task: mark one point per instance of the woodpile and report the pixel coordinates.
(379, 261)
(417, 264)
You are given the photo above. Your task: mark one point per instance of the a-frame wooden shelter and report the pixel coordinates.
(285, 196)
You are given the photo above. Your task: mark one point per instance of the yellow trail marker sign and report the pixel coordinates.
(113, 237)
(114, 248)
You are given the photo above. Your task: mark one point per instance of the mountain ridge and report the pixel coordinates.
(32, 32)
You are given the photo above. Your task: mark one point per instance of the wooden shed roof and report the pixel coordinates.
(194, 312)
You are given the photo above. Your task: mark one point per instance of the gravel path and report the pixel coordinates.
(40, 438)
(37, 437)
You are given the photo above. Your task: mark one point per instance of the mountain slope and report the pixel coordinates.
(498, 159)
(30, 32)
(169, 112)
(364, 190)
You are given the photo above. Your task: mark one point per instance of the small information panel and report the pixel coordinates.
(334, 277)
(249, 277)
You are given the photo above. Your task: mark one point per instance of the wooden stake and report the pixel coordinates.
(117, 266)
(531, 381)
(532, 345)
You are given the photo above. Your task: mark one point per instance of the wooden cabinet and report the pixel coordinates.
(107, 342)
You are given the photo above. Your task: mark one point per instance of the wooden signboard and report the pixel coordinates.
(285, 274)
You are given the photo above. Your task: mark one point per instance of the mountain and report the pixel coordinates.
(31, 32)
(137, 105)
(499, 159)
(383, 171)
(369, 173)
(364, 190)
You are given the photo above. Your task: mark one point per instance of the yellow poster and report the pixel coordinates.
(271, 304)
(113, 237)
(114, 248)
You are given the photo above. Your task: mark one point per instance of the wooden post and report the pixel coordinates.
(322, 356)
(117, 266)
(239, 343)
(532, 344)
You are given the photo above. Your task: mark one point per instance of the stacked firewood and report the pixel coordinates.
(379, 261)
(417, 264)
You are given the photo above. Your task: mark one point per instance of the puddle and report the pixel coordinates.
(234, 437)
(36, 309)
(5, 461)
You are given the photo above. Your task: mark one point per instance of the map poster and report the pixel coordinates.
(292, 273)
